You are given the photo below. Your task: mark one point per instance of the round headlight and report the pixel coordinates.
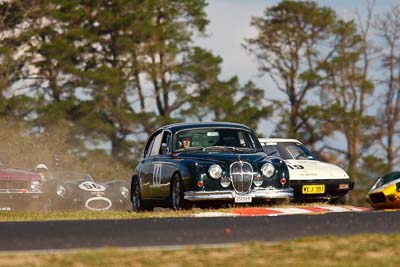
(61, 190)
(35, 186)
(268, 169)
(124, 192)
(215, 171)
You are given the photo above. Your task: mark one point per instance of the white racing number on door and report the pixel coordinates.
(157, 174)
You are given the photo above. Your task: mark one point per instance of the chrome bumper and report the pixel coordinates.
(227, 195)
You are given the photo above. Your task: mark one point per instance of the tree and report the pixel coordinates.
(13, 15)
(288, 49)
(215, 99)
(345, 90)
(388, 29)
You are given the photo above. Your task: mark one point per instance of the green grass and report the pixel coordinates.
(358, 250)
(87, 215)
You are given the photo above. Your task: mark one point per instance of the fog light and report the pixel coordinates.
(283, 180)
(258, 180)
(225, 181)
(200, 183)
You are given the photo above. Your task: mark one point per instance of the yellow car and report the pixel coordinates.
(385, 193)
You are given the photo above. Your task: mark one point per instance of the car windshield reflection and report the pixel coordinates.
(288, 150)
(386, 179)
(215, 139)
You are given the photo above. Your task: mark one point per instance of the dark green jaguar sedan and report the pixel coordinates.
(211, 162)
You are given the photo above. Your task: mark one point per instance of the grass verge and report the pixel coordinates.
(358, 250)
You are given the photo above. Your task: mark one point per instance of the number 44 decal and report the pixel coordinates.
(297, 167)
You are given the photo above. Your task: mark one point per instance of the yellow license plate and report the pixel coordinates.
(313, 189)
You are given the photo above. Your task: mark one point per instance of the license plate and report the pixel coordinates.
(313, 189)
(243, 199)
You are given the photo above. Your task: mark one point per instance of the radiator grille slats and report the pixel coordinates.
(242, 176)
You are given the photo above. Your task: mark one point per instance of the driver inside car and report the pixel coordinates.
(186, 142)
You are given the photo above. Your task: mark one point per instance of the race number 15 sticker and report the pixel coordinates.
(298, 167)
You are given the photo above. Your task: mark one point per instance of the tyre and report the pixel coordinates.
(136, 198)
(339, 201)
(177, 201)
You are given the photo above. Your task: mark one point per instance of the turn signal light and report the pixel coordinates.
(283, 180)
(200, 183)
(343, 186)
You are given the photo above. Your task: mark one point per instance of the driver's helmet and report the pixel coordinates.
(41, 168)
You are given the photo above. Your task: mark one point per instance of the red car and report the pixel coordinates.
(20, 190)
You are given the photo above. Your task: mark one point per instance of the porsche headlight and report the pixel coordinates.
(124, 192)
(61, 190)
(35, 186)
(215, 171)
(268, 169)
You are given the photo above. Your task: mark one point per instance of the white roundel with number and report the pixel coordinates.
(91, 186)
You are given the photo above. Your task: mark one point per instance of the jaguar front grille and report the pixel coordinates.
(242, 176)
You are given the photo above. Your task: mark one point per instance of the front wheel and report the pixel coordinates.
(136, 198)
(177, 201)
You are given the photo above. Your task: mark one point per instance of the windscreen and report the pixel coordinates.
(390, 177)
(288, 150)
(214, 137)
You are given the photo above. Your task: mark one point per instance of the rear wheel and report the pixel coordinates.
(136, 198)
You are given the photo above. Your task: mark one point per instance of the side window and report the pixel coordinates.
(149, 145)
(165, 143)
(249, 141)
(156, 145)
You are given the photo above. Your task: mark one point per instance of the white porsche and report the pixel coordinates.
(311, 179)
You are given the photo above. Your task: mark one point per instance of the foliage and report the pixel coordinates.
(288, 49)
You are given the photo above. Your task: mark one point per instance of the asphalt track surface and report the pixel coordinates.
(189, 231)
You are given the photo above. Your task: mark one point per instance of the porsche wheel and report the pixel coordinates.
(339, 201)
(136, 198)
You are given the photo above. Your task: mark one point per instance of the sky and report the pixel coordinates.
(230, 25)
